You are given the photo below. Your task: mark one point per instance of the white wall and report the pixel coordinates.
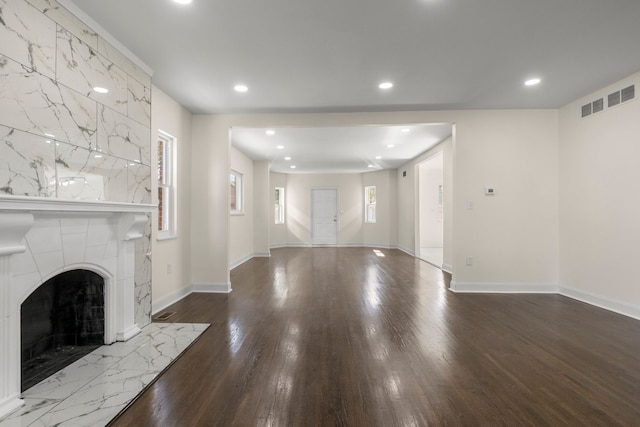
(174, 254)
(350, 206)
(241, 225)
(516, 151)
(382, 233)
(599, 203)
(263, 197)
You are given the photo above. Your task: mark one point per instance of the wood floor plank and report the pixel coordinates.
(342, 337)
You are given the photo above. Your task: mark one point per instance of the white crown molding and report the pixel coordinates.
(80, 14)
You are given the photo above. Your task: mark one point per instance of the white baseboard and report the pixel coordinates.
(240, 261)
(212, 288)
(610, 304)
(164, 302)
(511, 288)
(448, 268)
(261, 255)
(407, 250)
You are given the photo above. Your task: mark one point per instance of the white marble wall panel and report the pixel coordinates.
(53, 10)
(27, 36)
(139, 183)
(81, 68)
(142, 278)
(26, 164)
(139, 102)
(107, 50)
(90, 175)
(122, 137)
(34, 103)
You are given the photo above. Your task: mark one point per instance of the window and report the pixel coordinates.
(370, 204)
(279, 205)
(166, 186)
(236, 193)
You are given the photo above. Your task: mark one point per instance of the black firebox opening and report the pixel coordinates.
(61, 321)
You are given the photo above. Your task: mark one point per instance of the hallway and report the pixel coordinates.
(343, 336)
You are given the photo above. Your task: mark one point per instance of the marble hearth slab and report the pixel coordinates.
(93, 390)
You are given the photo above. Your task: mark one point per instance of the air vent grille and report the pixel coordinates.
(598, 105)
(613, 99)
(616, 98)
(628, 93)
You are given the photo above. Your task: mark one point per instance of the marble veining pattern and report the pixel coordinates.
(122, 137)
(81, 68)
(139, 102)
(26, 166)
(27, 36)
(97, 387)
(32, 102)
(107, 50)
(53, 10)
(139, 183)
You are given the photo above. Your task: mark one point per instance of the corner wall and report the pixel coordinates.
(599, 205)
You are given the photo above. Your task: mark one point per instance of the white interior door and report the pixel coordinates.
(324, 217)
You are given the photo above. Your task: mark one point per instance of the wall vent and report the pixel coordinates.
(616, 98)
(613, 99)
(628, 93)
(597, 105)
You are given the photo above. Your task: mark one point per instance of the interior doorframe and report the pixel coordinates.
(311, 216)
(418, 213)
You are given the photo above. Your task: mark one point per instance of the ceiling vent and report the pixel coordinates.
(616, 98)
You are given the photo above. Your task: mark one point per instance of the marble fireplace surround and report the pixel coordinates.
(40, 238)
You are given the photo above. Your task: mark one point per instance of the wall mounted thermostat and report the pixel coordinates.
(489, 191)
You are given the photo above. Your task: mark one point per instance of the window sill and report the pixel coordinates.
(167, 237)
(237, 213)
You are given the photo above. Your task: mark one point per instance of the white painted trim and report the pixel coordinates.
(510, 288)
(407, 250)
(606, 303)
(10, 404)
(212, 288)
(79, 13)
(37, 204)
(448, 268)
(261, 255)
(240, 261)
(128, 334)
(167, 300)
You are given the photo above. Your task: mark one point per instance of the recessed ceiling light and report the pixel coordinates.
(385, 85)
(280, 147)
(182, 1)
(49, 135)
(293, 166)
(287, 158)
(405, 130)
(378, 157)
(97, 156)
(370, 166)
(48, 141)
(270, 132)
(390, 146)
(532, 82)
(241, 88)
(100, 89)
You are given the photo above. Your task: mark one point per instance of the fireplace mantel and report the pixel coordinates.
(43, 204)
(41, 237)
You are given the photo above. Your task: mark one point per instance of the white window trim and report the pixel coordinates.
(367, 204)
(282, 205)
(170, 204)
(238, 212)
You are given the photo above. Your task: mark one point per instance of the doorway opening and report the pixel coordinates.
(431, 210)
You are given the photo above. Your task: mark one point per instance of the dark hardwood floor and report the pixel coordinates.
(342, 337)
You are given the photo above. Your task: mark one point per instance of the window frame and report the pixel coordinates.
(368, 204)
(239, 193)
(279, 206)
(167, 213)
